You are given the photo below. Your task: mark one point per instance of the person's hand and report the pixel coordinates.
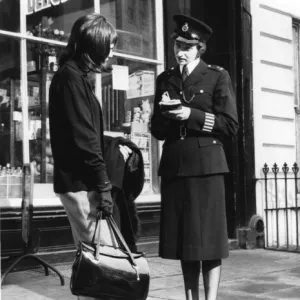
(105, 204)
(125, 151)
(178, 114)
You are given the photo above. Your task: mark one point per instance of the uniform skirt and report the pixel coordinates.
(193, 218)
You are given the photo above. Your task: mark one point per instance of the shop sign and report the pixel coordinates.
(37, 5)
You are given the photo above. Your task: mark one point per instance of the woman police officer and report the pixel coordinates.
(193, 163)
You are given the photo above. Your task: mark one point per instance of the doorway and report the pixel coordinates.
(229, 47)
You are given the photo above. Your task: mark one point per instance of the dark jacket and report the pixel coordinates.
(127, 180)
(208, 92)
(76, 132)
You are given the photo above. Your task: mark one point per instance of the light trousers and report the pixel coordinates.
(81, 209)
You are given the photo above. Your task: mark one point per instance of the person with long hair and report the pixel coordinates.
(194, 112)
(76, 126)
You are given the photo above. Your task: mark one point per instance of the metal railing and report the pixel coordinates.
(282, 207)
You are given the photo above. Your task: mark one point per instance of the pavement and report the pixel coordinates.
(246, 274)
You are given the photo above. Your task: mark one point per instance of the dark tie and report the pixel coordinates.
(185, 73)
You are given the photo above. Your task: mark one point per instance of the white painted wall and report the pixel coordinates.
(273, 102)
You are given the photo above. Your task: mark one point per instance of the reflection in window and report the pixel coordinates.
(135, 23)
(9, 15)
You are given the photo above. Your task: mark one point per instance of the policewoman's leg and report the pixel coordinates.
(191, 274)
(211, 270)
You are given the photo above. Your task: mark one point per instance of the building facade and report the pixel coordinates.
(276, 115)
(257, 41)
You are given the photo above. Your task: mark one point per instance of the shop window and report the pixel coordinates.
(9, 15)
(40, 69)
(10, 151)
(127, 110)
(135, 23)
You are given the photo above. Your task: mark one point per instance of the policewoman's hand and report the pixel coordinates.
(178, 114)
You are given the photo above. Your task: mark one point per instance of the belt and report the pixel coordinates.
(182, 133)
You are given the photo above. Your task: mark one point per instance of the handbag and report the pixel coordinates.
(109, 272)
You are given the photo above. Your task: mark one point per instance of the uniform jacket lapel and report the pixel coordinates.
(175, 77)
(197, 74)
(195, 77)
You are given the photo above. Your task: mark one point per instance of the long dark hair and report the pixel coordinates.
(90, 41)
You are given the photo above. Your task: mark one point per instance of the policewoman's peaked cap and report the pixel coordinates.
(190, 30)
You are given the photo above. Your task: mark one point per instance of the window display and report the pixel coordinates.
(39, 74)
(10, 151)
(58, 16)
(129, 111)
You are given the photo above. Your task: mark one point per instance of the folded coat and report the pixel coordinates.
(127, 179)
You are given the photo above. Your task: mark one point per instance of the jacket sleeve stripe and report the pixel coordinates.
(209, 122)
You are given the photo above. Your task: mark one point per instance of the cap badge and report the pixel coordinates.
(185, 27)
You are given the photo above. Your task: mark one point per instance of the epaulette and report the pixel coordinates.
(215, 67)
(170, 70)
(167, 72)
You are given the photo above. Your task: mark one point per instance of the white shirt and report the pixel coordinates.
(191, 66)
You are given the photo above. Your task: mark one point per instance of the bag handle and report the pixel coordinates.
(112, 224)
(117, 232)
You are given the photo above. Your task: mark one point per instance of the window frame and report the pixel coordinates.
(296, 52)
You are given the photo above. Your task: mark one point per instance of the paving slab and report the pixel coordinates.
(254, 287)
(246, 275)
(290, 294)
(30, 285)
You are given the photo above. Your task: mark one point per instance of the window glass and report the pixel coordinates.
(54, 19)
(135, 104)
(40, 70)
(135, 23)
(127, 104)
(296, 44)
(11, 155)
(10, 150)
(9, 15)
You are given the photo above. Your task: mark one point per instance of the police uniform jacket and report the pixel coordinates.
(194, 147)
